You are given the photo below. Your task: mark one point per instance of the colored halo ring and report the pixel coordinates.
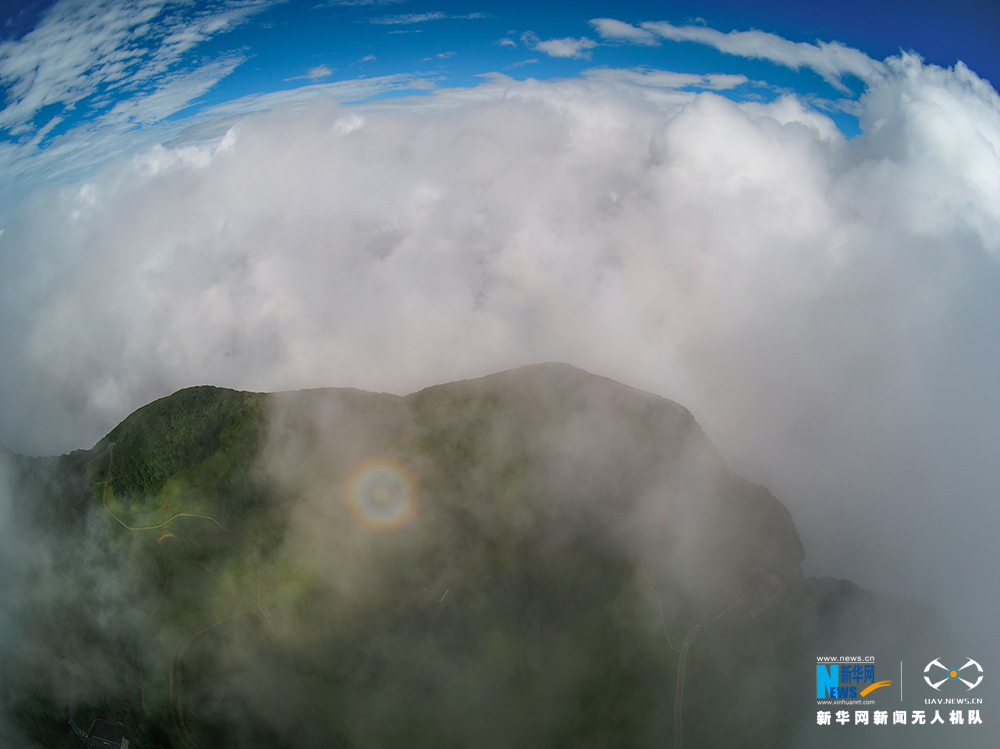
(381, 493)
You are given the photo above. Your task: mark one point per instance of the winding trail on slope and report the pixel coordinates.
(174, 671)
(693, 632)
(659, 602)
(697, 627)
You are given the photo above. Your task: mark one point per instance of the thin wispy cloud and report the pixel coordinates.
(357, 3)
(172, 94)
(407, 18)
(831, 60)
(79, 53)
(667, 79)
(352, 89)
(313, 74)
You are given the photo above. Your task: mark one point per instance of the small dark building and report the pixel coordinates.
(104, 734)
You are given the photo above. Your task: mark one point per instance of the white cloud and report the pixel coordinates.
(352, 89)
(568, 47)
(667, 79)
(422, 84)
(81, 51)
(313, 74)
(827, 308)
(357, 3)
(321, 71)
(521, 63)
(172, 94)
(947, 117)
(831, 60)
(617, 31)
(82, 151)
(407, 18)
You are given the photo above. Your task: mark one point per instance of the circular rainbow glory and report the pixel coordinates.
(381, 492)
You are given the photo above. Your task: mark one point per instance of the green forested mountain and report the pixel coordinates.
(513, 561)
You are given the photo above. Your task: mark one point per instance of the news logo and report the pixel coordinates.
(951, 674)
(841, 680)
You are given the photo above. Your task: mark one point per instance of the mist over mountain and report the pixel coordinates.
(784, 217)
(541, 557)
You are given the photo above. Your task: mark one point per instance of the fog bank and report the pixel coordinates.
(826, 308)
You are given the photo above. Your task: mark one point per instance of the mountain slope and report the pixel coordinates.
(508, 561)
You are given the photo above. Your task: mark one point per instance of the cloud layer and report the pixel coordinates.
(825, 307)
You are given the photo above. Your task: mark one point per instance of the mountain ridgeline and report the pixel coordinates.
(538, 558)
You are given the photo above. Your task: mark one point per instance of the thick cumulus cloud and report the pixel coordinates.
(825, 307)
